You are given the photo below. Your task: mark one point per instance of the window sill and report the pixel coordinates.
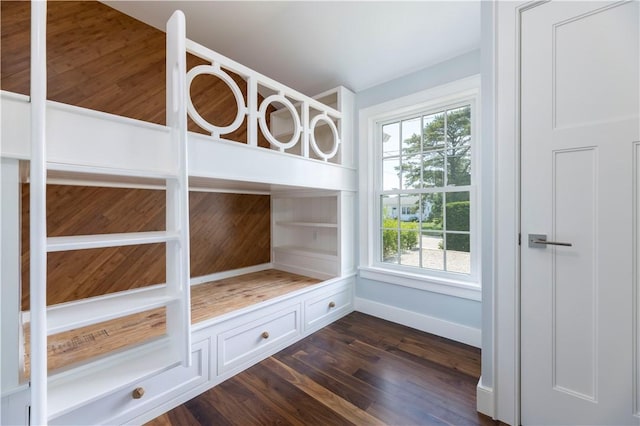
(462, 289)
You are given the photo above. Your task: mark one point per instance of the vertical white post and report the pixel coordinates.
(346, 105)
(252, 113)
(305, 129)
(177, 208)
(10, 357)
(38, 206)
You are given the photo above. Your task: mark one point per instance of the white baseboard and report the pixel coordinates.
(229, 274)
(484, 399)
(450, 330)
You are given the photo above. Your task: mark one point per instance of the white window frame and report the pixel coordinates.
(466, 91)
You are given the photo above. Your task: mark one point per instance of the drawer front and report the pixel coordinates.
(257, 338)
(121, 405)
(326, 308)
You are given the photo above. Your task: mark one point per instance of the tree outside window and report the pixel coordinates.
(426, 163)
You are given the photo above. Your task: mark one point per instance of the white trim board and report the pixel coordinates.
(229, 274)
(450, 330)
(484, 399)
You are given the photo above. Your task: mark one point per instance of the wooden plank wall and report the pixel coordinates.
(228, 231)
(101, 59)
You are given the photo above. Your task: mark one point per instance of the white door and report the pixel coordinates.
(580, 161)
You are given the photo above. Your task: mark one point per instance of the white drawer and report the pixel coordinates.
(327, 307)
(121, 406)
(259, 337)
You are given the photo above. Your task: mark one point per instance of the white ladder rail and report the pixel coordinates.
(38, 221)
(175, 295)
(178, 259)
(94, 310)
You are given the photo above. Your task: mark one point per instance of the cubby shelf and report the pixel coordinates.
(306, 233)
(309, 224)
(319, 253)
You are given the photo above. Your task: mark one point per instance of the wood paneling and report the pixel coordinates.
(228, 231)
(102, 59)
(208, 300)
(359, 370)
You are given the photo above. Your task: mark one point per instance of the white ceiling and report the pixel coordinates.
(315, 46)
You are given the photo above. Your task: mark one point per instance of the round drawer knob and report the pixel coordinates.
(332, 304)
(137, 393)
(265, 334)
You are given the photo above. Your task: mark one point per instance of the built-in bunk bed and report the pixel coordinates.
(128, 356)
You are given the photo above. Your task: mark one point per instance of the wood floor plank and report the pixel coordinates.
(181, 415)
(325, 396)
(335, 380)
(360, 370)
(382, 377)
(296, 403)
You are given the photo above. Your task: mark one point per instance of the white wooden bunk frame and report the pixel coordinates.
(69, 142)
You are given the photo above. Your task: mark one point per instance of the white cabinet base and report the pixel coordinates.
(223, 348)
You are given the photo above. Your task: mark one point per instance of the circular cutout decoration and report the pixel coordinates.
(262, 120)
(314, 144)
(237, 93)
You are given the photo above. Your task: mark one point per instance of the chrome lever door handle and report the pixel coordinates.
(540, 241)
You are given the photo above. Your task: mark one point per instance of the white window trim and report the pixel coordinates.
(468, 287)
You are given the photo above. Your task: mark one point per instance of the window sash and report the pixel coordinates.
(471, 189)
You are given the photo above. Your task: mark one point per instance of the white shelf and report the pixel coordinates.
(325, 254)
(82, 242)
(74, 388)
(72, 170)
(309, 224)
(69, 316)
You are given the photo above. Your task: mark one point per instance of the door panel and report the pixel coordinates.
(574, 276)
(579, 121)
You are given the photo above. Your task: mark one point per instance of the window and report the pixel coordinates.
(419, 183)
(425, 160)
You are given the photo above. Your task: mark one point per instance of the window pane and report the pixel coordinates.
(390, 246)
(433, 131)
(432, 212)
(391, 173)
(389, 211)
(411, 178)
(459, 127)
(458, 253)
(457, 211)
(411, 136)
(432, 251)
(409, 254)
(391, 139)
(459, 166)
(410, 209)
(433, 169)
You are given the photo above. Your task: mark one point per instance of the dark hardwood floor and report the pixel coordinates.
(360, 370)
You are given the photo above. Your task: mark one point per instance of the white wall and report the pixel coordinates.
(487, 10)
(441, 311)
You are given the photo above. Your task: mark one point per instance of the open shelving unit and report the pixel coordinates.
(308, 233)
